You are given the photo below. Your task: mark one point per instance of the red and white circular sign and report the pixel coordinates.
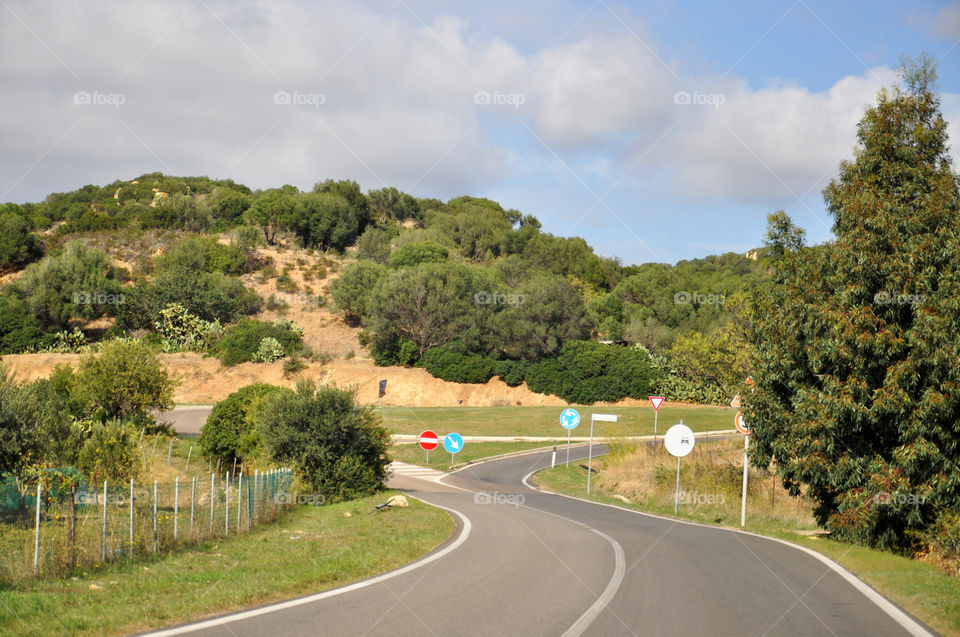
(742, 426)
(429, 440)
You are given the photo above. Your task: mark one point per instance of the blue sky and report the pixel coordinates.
(572, 111)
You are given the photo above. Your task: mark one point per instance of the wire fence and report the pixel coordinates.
(55, 531)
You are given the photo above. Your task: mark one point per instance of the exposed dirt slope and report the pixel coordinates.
(204, 380)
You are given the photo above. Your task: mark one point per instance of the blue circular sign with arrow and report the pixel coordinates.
(569, 418)
(453, 443)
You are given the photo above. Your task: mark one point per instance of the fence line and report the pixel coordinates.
(88, 525)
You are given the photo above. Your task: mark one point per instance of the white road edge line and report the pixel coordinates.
(906, 622)
(619, 568)
(228, 619)
(619, 571)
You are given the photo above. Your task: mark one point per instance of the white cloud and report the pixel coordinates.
(398, 104)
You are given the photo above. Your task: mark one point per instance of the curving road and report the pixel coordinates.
(524, 562)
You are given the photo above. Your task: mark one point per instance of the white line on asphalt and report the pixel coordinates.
(619, 568)
(906, 622)
(228, 619)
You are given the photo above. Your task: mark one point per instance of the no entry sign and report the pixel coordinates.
(429, 440)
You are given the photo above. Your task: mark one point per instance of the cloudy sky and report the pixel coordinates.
(657, 131)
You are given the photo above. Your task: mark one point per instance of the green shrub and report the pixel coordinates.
(287, 284)
(512, 372)
(65, 342)
(210, 296)
(587, 371)
(269, 350)
(242, 341)
(335, 445)
(18, 329)
(944, 540)
(352, 290)
(181, 330)
(205, 254)
(293, 365)
(20, 441)
(18, 246)
(671, 381)
(416, 253)
(73, 284)
(456, 367)
(231, 428)
(110, 452)
(125, 381)
(374, 244)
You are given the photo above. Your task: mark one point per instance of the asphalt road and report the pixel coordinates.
(523, 562)
(186, 419)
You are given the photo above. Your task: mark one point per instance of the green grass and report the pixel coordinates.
(440, 459)
(545, 421)
(921, 588)
(307, 550)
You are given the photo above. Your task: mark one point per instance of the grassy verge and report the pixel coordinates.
(545, 421)
(921, 588)
(307, 550)
(440, 459)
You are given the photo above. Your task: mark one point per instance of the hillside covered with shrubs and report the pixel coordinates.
(466, 289)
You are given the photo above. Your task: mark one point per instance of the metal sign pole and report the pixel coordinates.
(676, 494)
(656, 412)
(568, 447)
(743, 497)
(590, 455)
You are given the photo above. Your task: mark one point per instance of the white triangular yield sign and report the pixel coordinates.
(657, 401)
(735, 403)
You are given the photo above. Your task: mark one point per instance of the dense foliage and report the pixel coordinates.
(467, 276)
(856, 369)
(242, 341)
(88, 419)
(336, 446)
(231, 432)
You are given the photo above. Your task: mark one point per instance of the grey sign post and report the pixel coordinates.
(601, 418)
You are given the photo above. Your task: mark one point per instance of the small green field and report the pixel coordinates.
(440, 459)
(545, 421)
(310, 549)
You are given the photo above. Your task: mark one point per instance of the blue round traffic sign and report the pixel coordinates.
(453, 443)
(569, 418)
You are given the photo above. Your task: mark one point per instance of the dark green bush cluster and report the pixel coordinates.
(584, 372)
(191, 275)
(18, 246)
(18, 328)
(456, 367)
(241, 341)
(336, 446)
(417, 253)
(231, 428)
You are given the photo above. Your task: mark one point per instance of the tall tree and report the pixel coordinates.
(857, 384)
(782, 235)
(271, 209)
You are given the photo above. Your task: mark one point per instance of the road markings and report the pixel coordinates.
(229, 619)
(619, 568)
(415, 471)
(909, 624)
